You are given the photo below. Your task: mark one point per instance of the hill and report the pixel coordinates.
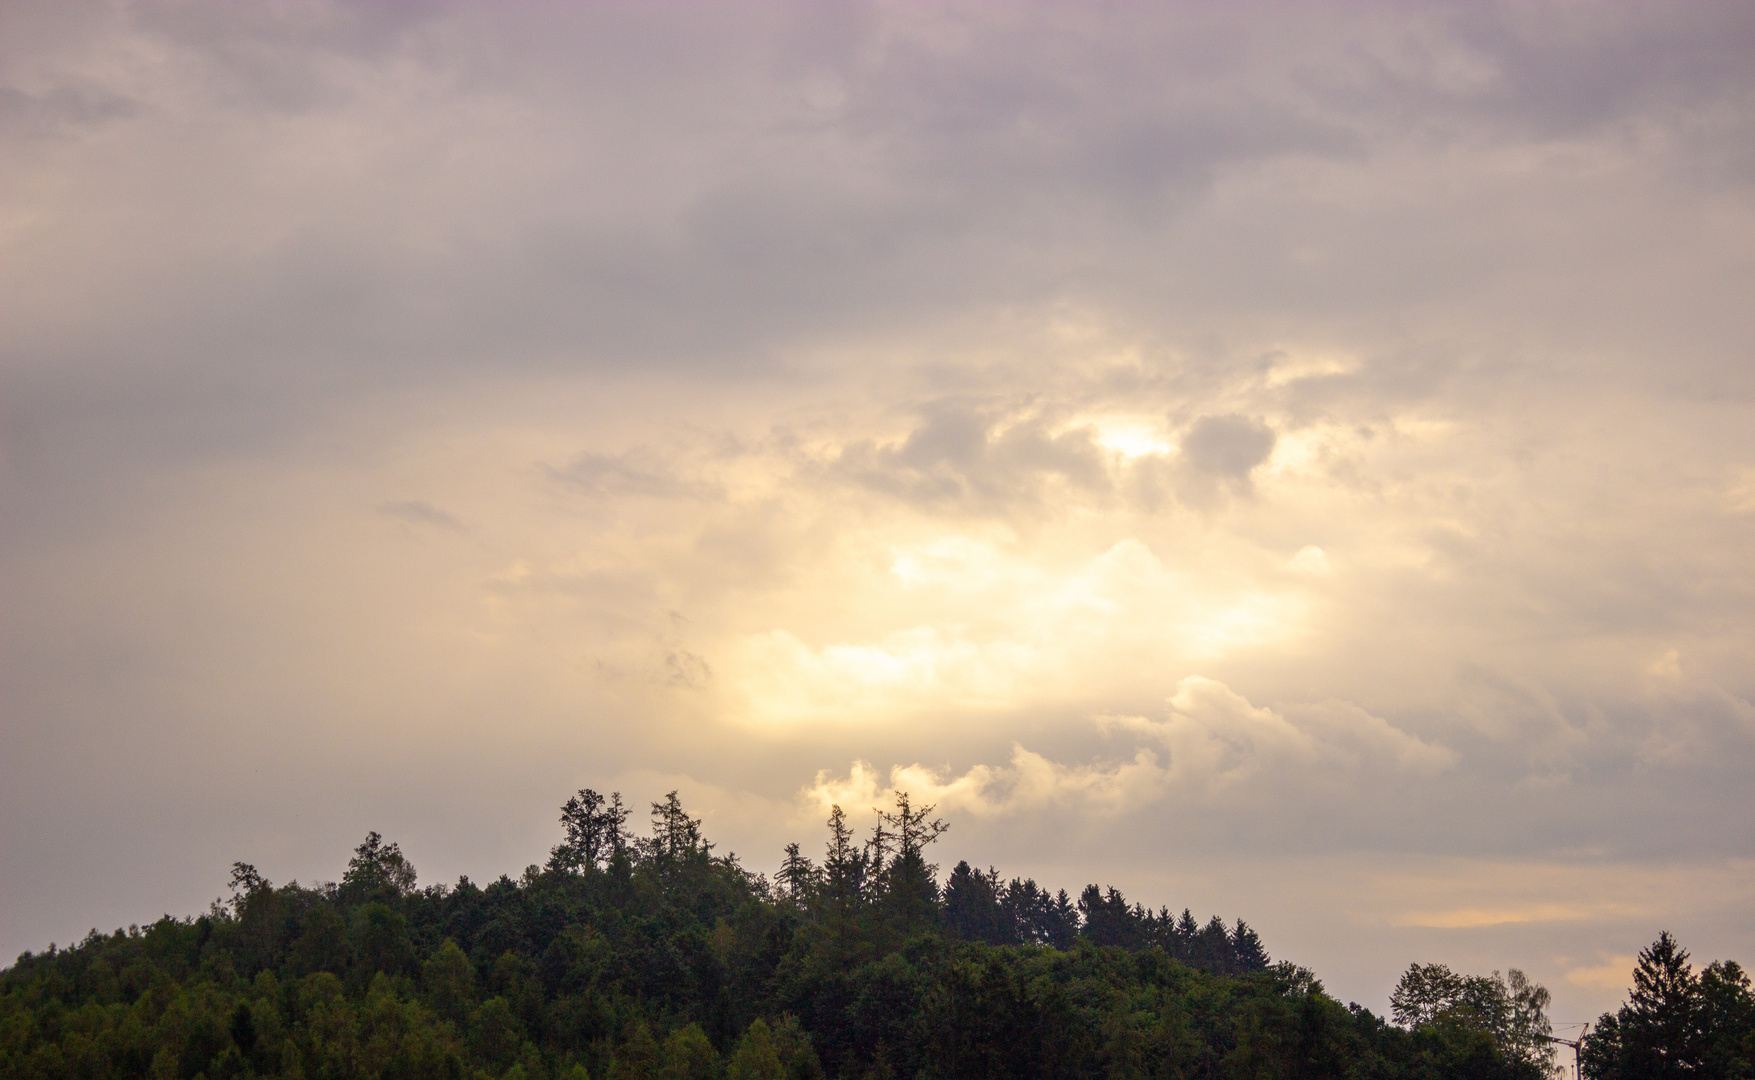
(626, 958)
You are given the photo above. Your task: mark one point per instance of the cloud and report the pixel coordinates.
(1030, 782)
(1468, 918)
(1227, 447)
(1614, 974)
(980, 461)
(419, 512)
(1310, 560)
(1217, 739)
(635, 472)
(1370, 383)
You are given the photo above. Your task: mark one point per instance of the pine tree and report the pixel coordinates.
(799, 878)
(595, 828)
(1661, 1023)
(972, 909)
(909, 883)
(1025, 912)
(1247, 949)
(1187, 930)
(675, 835)
(1062, 921)
(1212, 947)
(1107, 918)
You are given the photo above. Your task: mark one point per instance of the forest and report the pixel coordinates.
(632, 957)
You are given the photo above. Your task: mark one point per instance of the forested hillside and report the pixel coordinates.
(643, 957)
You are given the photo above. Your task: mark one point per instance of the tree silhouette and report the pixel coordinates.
(376, 866)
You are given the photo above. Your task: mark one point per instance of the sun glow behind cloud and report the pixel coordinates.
(1182, 442)
(979, 624)
(1053, 577)
(1131, 436)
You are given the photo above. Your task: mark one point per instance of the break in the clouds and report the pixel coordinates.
(1290, 460)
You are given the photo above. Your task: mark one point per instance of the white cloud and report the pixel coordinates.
(1030, 782)
(1310, 560)
(1217, 739)
(901, 383)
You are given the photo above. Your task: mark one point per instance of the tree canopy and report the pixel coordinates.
(1676, 1024)
(643, 957)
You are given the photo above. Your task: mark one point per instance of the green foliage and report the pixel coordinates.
(637, 1058)
(377, 867)
(755, 1058)
(1676, 1024)
(1511, 1009)
(449, 982)
(688, 1055)
(658, 959)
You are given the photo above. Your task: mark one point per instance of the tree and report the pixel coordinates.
(1525, 1036)
(755, 1057)
(1727, 1009)
(1211, 949)
(637, 1058)
(1658, 1034)
(1661, 1024)
(845, 866)
(1512, 1009)
(799, 878)
(1107, 918)
(914, 829)
(596, 829)
(1250, 954)
(623, 973)
(1186, 933)
(1429, 993)
(792, 1044)
(1060, 921)
(910, 886)
(246, 884)
(972, 908)
(494, 1032)
(449, 981)
(675, 835)
(376, 866)
(689, 1056)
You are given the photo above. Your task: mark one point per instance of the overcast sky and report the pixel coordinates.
(1294, 461)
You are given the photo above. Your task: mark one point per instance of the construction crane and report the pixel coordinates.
(1577, 1073)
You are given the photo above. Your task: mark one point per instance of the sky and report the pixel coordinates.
(1294, 461)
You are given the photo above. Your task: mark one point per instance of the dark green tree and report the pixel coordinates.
(377, 867)
(1107, 918)
(972, 908)
(1662, 1032)
(1728, 1021)
(799, 879)
(1250, 955)
(908, 883)
(595, 830)
(688, 1055)
(1510, 1009)
(667, 956)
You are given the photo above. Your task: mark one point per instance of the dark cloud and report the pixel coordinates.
(1227, 447)
(419, 512)
(59, 110)
(959, 159)
(1446, 309)
(636, 472)
(981, 461)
